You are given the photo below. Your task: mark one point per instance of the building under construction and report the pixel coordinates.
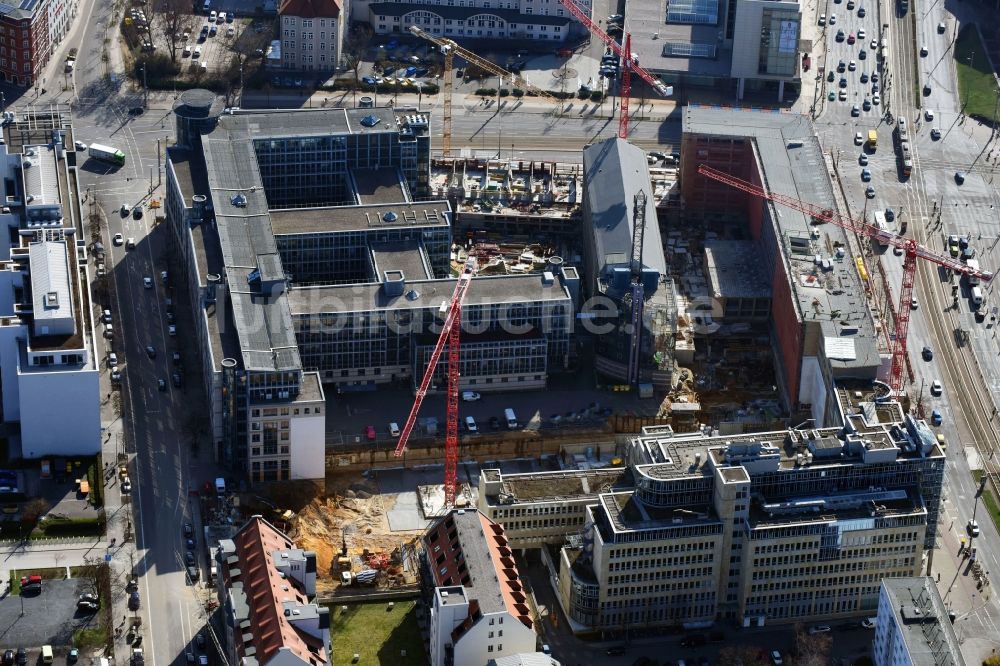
(820, 323)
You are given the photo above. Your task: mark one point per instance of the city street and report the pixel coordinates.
(167, 468)
(929, 205)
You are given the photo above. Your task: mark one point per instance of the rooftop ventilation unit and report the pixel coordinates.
(239, 200)
(370, 120)
(390, 216)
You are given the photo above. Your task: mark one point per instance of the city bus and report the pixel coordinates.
(107, 154)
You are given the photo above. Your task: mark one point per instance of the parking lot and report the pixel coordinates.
(208, 44)
(561, 404)
(50, 617)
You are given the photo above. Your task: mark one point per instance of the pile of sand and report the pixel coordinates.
(354, 512)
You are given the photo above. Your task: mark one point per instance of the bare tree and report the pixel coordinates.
(175, 19)
(92, 575)
(812, 649)
(355, 45)
(745, 655)
(34, 510)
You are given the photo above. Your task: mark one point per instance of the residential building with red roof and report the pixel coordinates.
(311, 33)
(266, 587)
(479, 609)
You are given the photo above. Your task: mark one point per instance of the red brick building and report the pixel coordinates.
(24, 40)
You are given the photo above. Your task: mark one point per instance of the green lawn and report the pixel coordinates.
(55, 573)
(976, 83)
(989, 500)
(377, 634)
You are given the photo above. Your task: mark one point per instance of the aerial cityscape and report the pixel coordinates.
(524, 333)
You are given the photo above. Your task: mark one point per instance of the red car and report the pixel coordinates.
(370, 432)
(850, 38)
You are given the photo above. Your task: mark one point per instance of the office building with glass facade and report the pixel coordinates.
(314, 257)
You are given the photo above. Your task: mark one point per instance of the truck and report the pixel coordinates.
(107, 154)
(973, 264)
(880, 223)
(365, 577)
(872, 138)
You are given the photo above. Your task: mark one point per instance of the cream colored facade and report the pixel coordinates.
(778, 527)
(540, 509)
(311, 44)
(288, 442)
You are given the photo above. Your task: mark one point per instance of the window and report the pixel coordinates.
(489, 648)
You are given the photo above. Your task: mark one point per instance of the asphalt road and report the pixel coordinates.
(162, 461)
(968, 371)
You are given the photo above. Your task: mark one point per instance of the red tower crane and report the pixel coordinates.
(629, 63)
(911, 249)
(450, 331)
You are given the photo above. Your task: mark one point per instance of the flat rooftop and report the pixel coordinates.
(406, 257)
(338, 219)
(861, 509)
(557, 486)
(423, 294)
(291, 123)
(922, 621)
(832, 296)
(378, 186)
(648, 17)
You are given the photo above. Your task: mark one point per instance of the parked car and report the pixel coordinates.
(370, 433)
(936, 418)
(819, 629)
(470, 396)
(134, 601)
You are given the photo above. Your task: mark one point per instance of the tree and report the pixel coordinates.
(34, 510)
(355, 45)
(92, 575)
(747, 655)
(175, 20)
(812, 649)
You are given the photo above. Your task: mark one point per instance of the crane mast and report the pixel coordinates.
(912, 250)
(450, 333)
(449, 48)
(629, 62)
(638, 296)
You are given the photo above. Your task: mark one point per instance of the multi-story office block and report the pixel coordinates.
(788, 526)
(314, 258)
(821, 326)
(478, 606)
(542, 509)
(515, 329)
(913, 626)
(775, 527)
(49, 358)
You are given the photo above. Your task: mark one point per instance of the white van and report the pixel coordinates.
(511, 418)
(977, 296)
(973, 264)
(470, 424)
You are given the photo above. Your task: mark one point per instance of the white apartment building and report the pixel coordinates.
(543, 20)
(311, 33)
(48, 359)
(479, 610)
(913, 627)
(61, 15)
